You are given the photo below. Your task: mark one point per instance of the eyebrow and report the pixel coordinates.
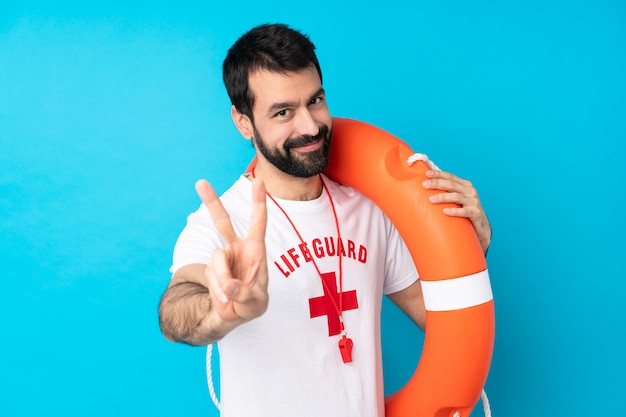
(276, 107)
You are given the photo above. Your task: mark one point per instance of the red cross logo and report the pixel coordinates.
(323, 306)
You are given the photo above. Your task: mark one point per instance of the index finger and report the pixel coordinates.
(446, 181)
(258, 216)
(216, 210)
(441, 174)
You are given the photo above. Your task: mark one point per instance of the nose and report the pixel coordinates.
(306, 124)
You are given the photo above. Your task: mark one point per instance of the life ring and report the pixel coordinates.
(460, 315)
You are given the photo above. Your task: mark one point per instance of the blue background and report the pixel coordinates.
(110, 112)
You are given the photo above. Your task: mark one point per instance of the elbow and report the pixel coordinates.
(179, 325)
(168, 329)
(172, 326)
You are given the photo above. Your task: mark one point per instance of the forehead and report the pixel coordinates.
(269, 88)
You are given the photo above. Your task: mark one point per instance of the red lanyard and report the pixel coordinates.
(345, 343)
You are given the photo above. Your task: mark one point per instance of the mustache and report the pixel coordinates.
(306, 139)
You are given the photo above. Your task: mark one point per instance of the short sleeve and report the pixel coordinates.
(197, 242)
(400, 269)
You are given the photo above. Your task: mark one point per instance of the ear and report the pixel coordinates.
(242, 123)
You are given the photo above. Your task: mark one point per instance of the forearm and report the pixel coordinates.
(411, 301)
(185, 315)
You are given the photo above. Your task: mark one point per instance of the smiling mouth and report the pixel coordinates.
(309, 146)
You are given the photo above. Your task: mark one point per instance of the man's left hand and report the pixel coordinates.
(463, 193)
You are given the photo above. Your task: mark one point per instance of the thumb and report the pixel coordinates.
(230, 290)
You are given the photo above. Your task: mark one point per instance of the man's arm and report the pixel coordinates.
(204, 302)
(185, 313)
(463, 193)
(411, 301)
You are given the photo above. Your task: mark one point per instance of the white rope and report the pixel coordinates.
(485, 400)
(422, 157)
(209, 376)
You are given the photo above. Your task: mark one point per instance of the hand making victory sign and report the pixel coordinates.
(237, 276)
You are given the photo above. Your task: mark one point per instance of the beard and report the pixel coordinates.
(301, 165)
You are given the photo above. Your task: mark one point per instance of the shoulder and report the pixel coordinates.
(239, 191)
(350, 198)
(199, 238)
(345, 192)
(233, 199)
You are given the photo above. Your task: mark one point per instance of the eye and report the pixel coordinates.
(316, 100)
(282, 113)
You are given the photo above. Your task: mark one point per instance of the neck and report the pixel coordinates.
(287, 187)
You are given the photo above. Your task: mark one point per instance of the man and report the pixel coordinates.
(287, 269)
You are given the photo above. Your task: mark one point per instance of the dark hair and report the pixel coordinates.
(276, 48)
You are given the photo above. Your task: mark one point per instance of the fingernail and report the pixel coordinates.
(432, 198)
(447, 211)
(429, 173)
(233, 291)
(426, 183)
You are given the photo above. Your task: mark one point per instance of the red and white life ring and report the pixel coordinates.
(460, 317)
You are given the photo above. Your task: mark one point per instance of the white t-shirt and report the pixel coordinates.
(287, 362)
